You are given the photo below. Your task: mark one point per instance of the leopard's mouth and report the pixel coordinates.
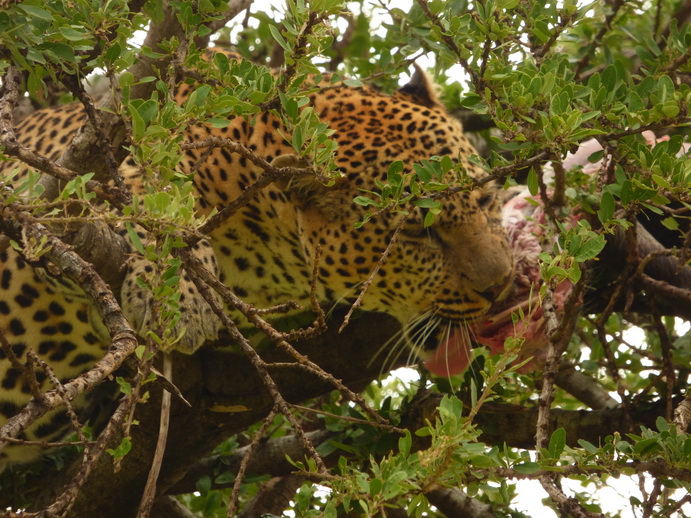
(451, 350)
(520, 317)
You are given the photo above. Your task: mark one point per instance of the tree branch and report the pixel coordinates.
(124, 340)
(453, 502)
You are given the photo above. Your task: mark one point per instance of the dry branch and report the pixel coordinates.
(124, 340)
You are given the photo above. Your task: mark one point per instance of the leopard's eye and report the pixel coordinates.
(419, 231)
(415, 228)
(486, 200)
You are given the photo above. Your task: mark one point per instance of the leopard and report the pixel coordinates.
(442, 275)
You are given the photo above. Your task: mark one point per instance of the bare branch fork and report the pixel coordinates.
(365, 285)
(92, 453)
(194, 267)
(123, 343)
(203, 279)
(270, 175)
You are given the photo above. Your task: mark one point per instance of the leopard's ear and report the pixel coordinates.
(305, 190)
(421, 89)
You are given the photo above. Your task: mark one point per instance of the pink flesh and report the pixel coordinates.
(450, 357)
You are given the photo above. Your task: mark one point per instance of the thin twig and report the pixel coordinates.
(668, 371)
(568, 505)
(103, 139)
(240, 476)
(271, 174)
(62, 505)
(149, 494)
(259, 365)
(606, 26)
(365, 285)
(235, 7)
(60, 389)
(475, 78)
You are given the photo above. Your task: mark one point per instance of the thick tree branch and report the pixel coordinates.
(584, 388)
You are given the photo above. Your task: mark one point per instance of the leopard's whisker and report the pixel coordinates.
(399, 342)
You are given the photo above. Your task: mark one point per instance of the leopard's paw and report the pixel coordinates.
(196, 322)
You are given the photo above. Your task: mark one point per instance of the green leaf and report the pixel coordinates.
(588, 446)
(527, 468)
(670, 109)
(298, 140)
(123, 449)
(73, 35)
(61, 51)
(670, 223)
(574, 273)
(405, 443)
(125, 386)
(427, 203)
(395, 167)
(138, 125)
(429, 219)
(557, 442)
(279, 38)
(606, 207)
(126, 79)
(533, 186)
(635, 102)
(364, 201)
(556, 271)
(134, 238)
(661, 424)
(590, 248)
(353, 83)
(198, 97)
(375, 486)
(647, 445)
(36, 12)
(665, 88)
(609, 77)
(507, 4)
(473, 393)
(218, 123)
(148, 110)
(660, 181)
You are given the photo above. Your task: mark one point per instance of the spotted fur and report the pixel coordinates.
(452, 270)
